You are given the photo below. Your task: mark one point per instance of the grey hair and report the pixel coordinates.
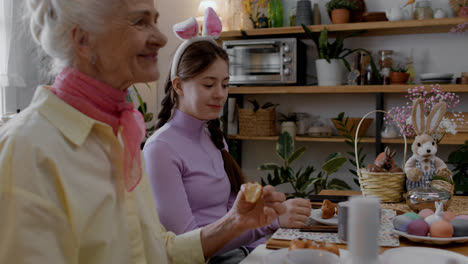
(51, 22)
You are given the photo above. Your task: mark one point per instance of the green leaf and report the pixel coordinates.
(298, 153)
(285, 146)
(340, 183)
(333, 155)
(323, 45)
(356, 181)
(334, 164)
(140, 101)
(269, 166)
(312, 36)
(340, 117)
(148, 117)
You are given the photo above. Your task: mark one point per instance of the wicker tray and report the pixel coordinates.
(260, 123)
(389, 187)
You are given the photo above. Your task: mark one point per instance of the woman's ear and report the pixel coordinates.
(82, 44)
(178, 87)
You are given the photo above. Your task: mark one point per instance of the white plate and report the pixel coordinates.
(282, 256)
(432, 240)
(435, 75)
(421, 255)
(316, 215)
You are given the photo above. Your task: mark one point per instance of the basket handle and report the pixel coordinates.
(356, 139)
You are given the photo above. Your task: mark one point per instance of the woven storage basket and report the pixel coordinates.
(389, 187)
(443, 185)
(260, 123)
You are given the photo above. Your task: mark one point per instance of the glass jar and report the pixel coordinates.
(385, 64)
(423, 10)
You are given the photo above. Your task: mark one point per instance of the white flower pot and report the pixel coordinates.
(329, 74)
(290, 127)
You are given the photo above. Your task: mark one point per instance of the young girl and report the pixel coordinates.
(194, 178)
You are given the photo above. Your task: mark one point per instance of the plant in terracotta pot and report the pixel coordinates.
(329, 67)
(340, 10)
(288, 123)
(459, 7)
(399, 75)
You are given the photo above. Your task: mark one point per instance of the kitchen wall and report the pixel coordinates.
(442, 52)
(432, 53)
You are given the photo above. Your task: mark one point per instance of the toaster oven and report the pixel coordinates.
(279, 61)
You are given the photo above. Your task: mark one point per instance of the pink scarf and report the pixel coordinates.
(106, 104)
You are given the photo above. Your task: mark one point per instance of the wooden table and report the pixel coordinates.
(461, 248)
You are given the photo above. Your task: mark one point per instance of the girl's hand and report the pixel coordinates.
(253, 215)
(297, 213)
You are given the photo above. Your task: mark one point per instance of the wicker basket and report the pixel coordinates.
(260, 123)
(443, 185)
(389, 187)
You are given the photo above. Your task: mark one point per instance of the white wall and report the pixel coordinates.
(432, 53)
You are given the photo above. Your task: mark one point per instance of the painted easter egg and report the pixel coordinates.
(448, 216)
(418, 227)
(401, 222)
(460, 227)
(442, 229)
(425, 213)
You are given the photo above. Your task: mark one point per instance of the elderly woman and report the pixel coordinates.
(72, 187)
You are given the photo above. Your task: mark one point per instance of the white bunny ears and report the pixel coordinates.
(428, 126)
(188, 32)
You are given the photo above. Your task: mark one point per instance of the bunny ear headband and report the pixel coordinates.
(188, 32)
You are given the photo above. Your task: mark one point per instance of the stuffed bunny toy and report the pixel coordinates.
(424, 164)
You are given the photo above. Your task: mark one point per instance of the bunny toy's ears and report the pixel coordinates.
(188, 32)
(418, 120)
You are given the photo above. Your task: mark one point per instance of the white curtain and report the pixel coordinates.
(8, 79)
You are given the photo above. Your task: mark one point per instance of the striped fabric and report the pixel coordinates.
(427, 176)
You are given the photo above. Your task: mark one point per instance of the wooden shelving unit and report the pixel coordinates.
(460, 88)
(447, 140)
(382, 28)
(303, 138)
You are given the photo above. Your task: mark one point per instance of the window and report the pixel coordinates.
(3, 54)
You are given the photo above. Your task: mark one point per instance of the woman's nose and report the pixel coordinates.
(157, 37)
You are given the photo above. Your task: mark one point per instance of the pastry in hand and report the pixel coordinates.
(252, 192)
(328, 209)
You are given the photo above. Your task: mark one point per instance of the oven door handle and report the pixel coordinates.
(254, 43)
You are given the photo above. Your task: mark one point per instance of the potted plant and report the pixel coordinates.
(302, 181)
(143, 109)
(329, 67)
(288, 123)
(399, 75)
(346, 127)
(340, 10)
(459, 159)
(459, 7)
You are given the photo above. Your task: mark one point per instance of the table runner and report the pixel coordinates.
(387, 237)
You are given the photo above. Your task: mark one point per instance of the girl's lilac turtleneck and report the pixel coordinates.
(190, 187)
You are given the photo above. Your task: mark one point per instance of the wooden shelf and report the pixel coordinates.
(458, 139)
(460, 88)
(303, 138)
(381, 28)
